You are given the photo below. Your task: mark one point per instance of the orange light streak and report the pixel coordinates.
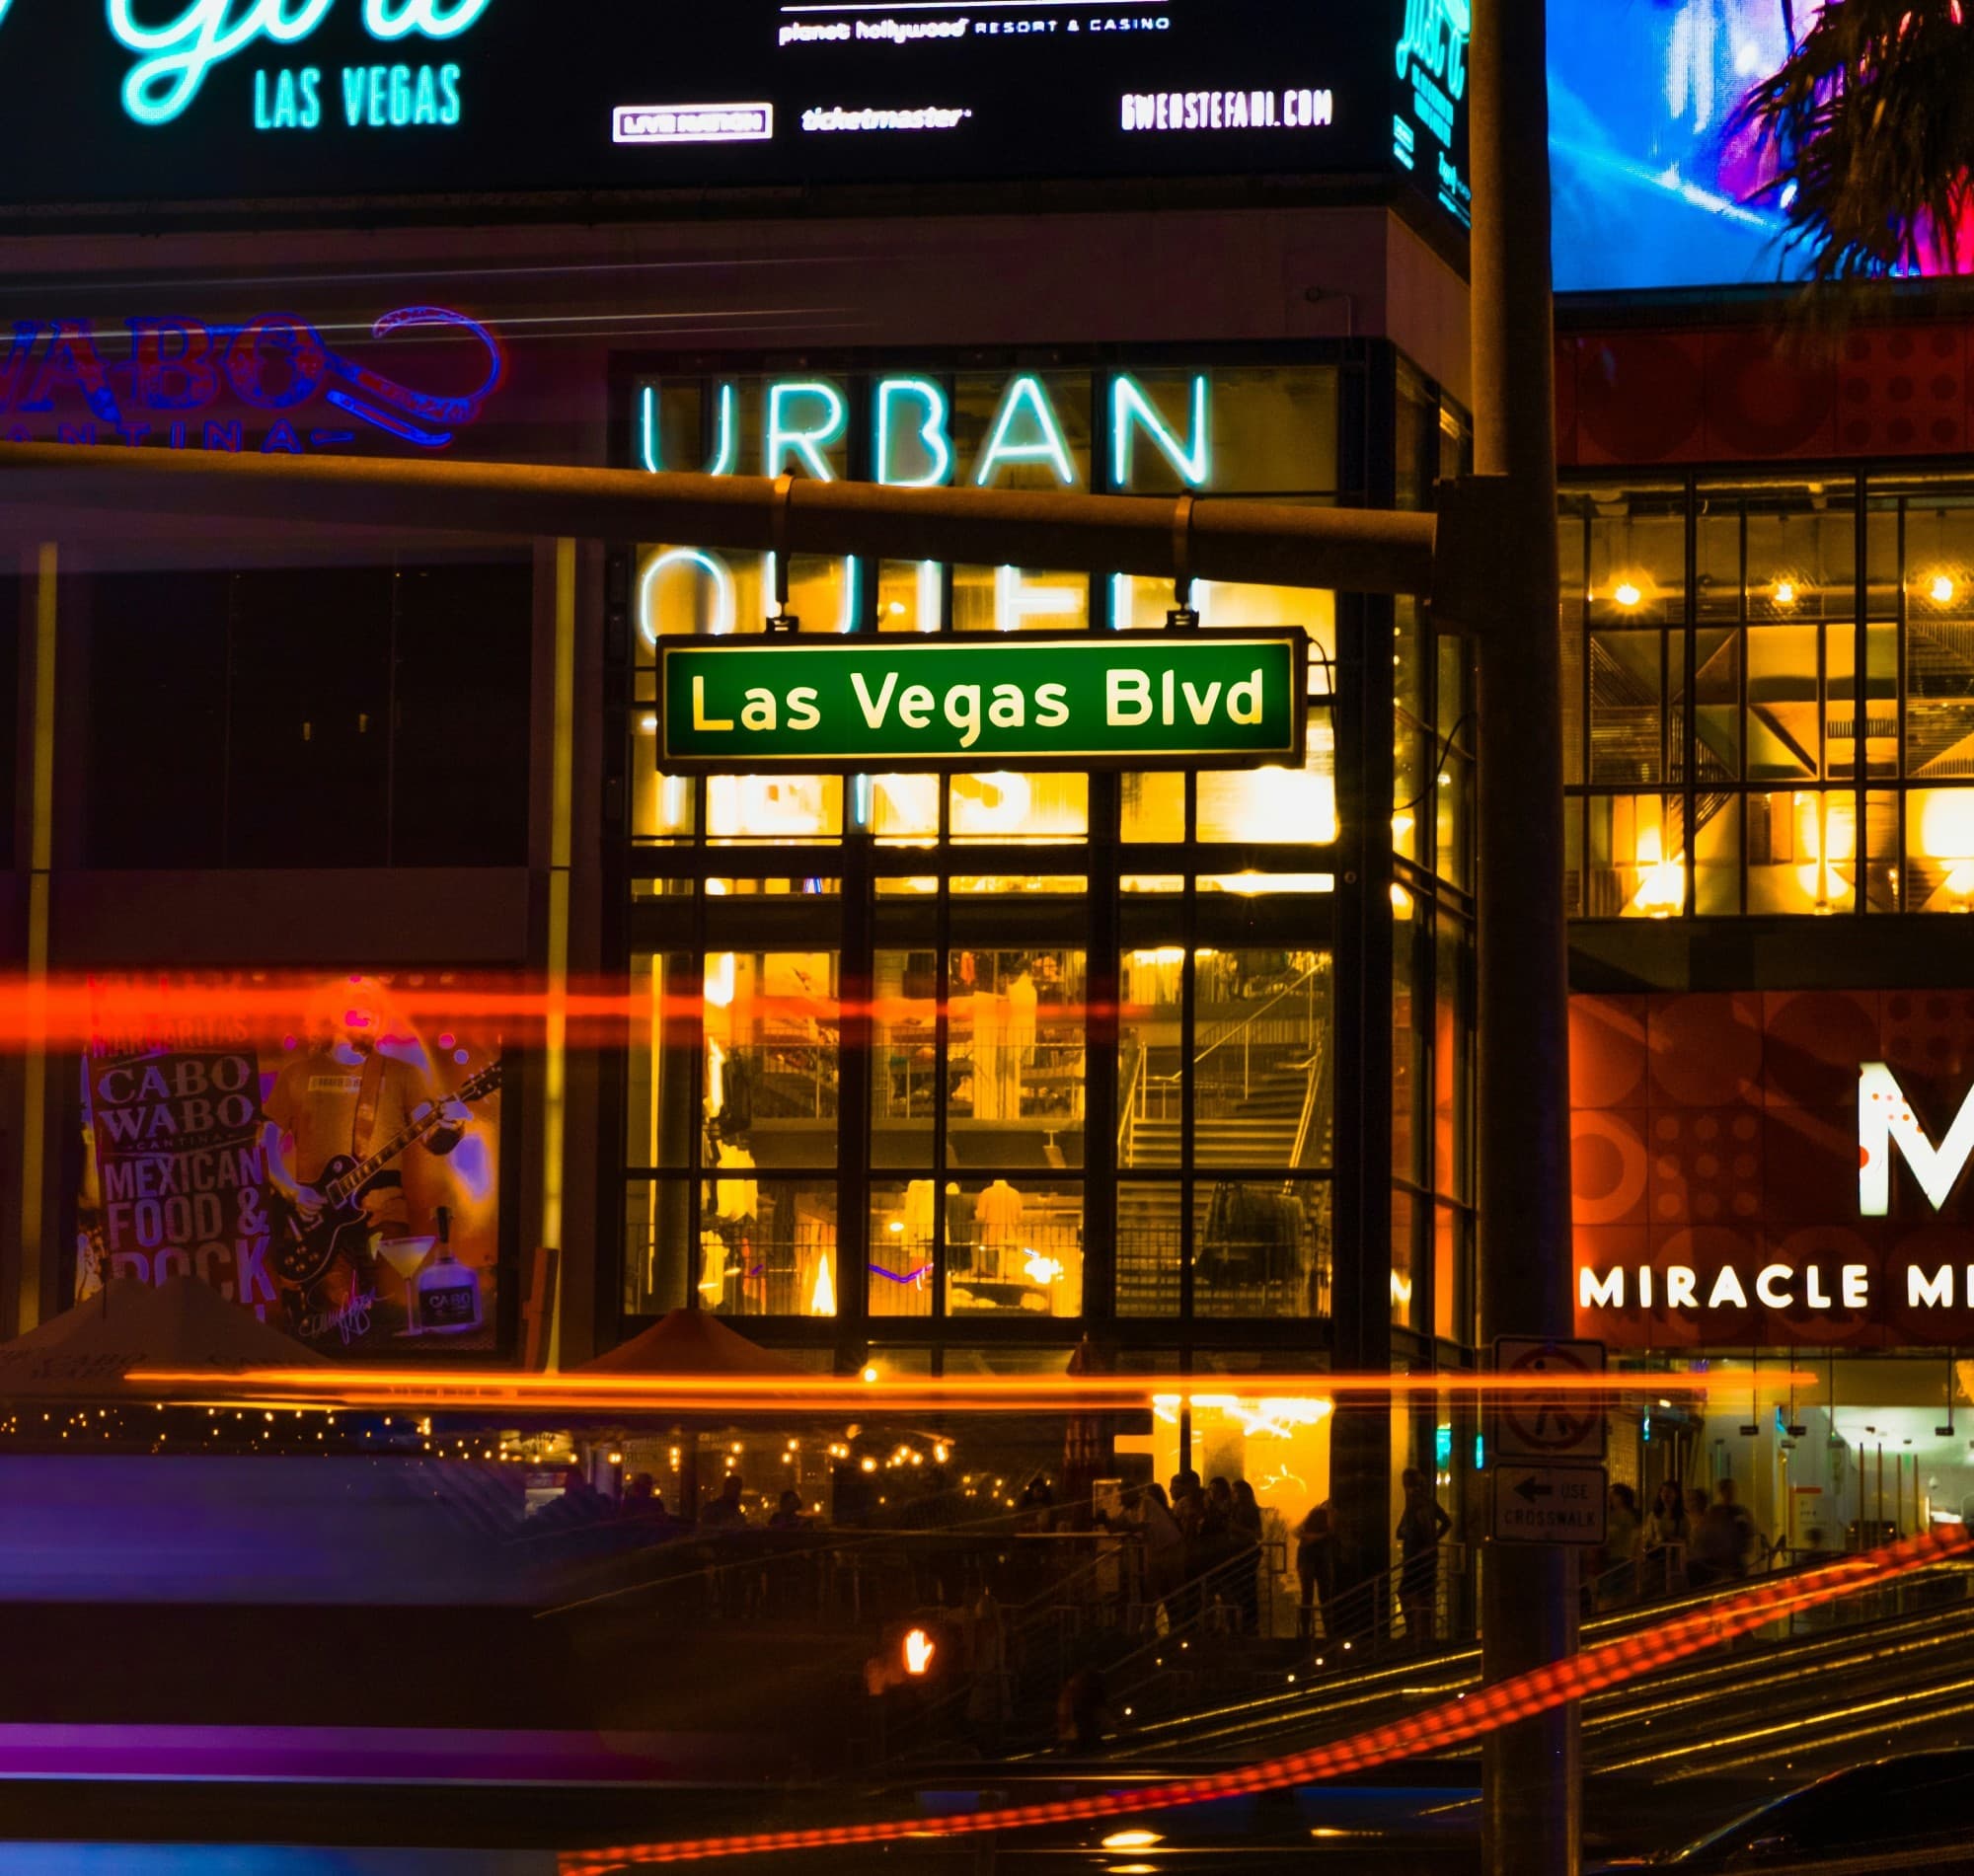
(129, 1012)
(1454, 1723)
(359, 1387)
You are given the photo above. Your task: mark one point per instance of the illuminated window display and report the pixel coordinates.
(1784, 727)
(1022, 1054)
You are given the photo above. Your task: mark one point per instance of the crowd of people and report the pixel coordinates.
(580, 1505)
(1203, 1546)
(1687, 1541)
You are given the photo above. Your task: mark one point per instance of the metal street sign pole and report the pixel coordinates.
(1532, 1796)
(1259, 543)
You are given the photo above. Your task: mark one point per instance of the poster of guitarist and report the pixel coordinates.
(365, 1178)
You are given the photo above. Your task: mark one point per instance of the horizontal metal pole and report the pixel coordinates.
(1262, 542)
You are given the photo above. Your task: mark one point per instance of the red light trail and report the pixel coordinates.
(1455, 1723)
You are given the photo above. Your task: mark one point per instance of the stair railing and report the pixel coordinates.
(1244, 1027)
(1311, 1099)
(1128, 1106)
(1142, 1080)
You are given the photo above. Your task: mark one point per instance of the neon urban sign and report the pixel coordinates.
(174, 373)
(804, 427)
(175, 57)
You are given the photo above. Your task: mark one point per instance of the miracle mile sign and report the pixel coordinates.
(1176, 700)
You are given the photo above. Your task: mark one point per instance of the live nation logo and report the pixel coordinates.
(271, 383)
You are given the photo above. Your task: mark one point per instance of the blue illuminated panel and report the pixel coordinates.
(1653, 187)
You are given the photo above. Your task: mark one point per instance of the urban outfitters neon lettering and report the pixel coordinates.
(1131, 410)
(932, 433)
(1027, 393)
(175, 57)
(727, 446)
(785, 439)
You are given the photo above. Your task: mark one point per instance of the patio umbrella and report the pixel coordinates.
(181, 1325)
(692, 1342)
(695, 1343)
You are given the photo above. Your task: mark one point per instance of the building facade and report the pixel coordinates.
(1766, 583)
(938, 1076)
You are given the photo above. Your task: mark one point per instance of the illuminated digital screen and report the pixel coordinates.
(201, 101)
(1653, 183)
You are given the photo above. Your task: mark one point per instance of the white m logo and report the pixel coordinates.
(1885, 1120)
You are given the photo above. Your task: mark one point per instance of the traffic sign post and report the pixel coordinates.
(1548, 1504)
(1549, 1424)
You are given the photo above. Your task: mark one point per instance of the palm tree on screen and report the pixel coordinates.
(1867, 131)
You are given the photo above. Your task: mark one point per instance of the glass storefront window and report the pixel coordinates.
(768, 1246)
(1012, 599)
(1260, 1058)
(661, 1060)
(902, 808)
(976, 1088)
(774, 807)
(1028, 429)
(1151, 1057)
(663, 807)
(1451, 1314)
(1635, 858)
(1258, 1061)
(1939, 849)
(1802, 850)
(1004, 806)
(911, 596)
(696, 590)
(769, 1028)
(1267, 431)
(1155, 807)
(1262, 1247)
(1016, 1068)
(1263, 806)
(1451, 1060)
(657, 1238)
(904, 1058)
(904, 1244)
(1820, 653)
(1409, 1300)
(1015, 1247)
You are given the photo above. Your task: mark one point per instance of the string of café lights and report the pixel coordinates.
(1467, 1717)
(832, 1395)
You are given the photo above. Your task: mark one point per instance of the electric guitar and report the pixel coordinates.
(302, 1250)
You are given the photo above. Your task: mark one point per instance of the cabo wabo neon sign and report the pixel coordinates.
(184, 384)
(1886, 1127)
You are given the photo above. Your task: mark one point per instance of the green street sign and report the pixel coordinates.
(970, 701)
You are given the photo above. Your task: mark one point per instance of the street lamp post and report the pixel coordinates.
(1532, 1802)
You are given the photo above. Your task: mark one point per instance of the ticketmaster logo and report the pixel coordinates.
(693, 124)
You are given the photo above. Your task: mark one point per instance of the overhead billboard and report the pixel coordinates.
(145, 100)
(1654, 185)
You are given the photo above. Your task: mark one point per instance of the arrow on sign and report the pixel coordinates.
(1528, 1491)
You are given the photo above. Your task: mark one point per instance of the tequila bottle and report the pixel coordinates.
(445, 1300)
